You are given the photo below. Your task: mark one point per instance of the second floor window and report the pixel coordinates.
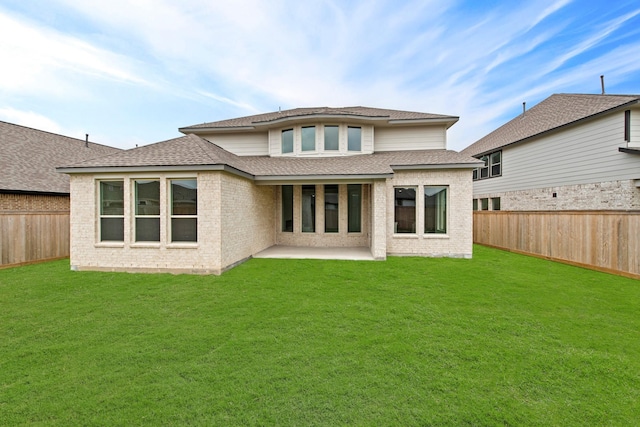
(492, 166)
(354, 138)
(287, 141)
(309, 138)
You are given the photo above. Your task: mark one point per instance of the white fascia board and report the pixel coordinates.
(438, 166)
(320, 179)
(134, 169)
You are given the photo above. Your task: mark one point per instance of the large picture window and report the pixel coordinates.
(405, 210)
(309, 138)
(331, 208)
(184, 210)
(147, 210)
(111, 211)
(331, 138)
(435, 209)
(354, 138)
(354, 208)
(287, 141)
(287, 208)
(308, 208)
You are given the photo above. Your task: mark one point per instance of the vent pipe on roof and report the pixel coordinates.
(86, 140)
(602, 83)
(524, 107)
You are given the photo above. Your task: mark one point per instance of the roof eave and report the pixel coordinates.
(335, 178)
(561, 127)
(206, 130)
(438, 166)
(151, 168)
(449, 121)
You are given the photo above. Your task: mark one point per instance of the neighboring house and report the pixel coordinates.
(569, 152)
(314, 177)
(34, 198)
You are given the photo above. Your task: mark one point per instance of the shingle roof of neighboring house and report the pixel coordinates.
(366, 113)
(192, 152)
(556, 111)
(29, 157)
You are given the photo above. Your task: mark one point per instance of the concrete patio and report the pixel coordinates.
(299, 252)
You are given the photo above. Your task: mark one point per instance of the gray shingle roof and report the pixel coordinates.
(192, 150)
(28, 158)
(300, 113)
(556, 111)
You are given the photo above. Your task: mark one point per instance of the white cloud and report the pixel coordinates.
(30, 119)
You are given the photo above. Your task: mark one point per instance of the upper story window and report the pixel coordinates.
(287, 141)
(492, 166)
(111, 211)
(331, 141)
(627, 125)
(354, 138)
(309, 138)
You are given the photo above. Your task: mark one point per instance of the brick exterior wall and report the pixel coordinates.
(458, 241)
(248, 215)
(612, 195)
(33, 203)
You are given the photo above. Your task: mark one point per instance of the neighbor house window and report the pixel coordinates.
(484, 204)
(309, 138)
(111, 211)
(308, 208)
(287, 208)
(331, 141)
(287, 141)
(147, 210)
(435, 209)
(331, 217)
(354, 208)
(475, 204)
(405, 210)
(492, 166)
(627, 125)
(184, 210)
(495, 204)
(354, 138)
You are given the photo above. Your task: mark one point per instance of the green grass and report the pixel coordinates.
(502, 339)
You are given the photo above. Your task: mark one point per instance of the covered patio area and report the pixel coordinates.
(311, 252)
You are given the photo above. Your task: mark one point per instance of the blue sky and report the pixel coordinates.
(133, 72)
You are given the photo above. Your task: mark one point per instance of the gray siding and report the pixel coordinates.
(586, 153)
(242, 144)
(410, 138)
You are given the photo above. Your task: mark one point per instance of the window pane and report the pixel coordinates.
(308, 208)
(405, 210)
(484, 172)
(147, 197)
(354, 207)
(331, 217)
(111, 229)
(331, 138)
(435, 209)
(475, 174)
(147, 229)
(309, 138)
(287, 141)
(111, 198)
(495, 203)
(475, 204)
(354, 138)
(484, 204)
(495, 163)
(184, 229)
(184, 197)
(287, 208)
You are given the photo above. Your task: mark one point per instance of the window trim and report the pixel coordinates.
(101, 215)
(172, 216)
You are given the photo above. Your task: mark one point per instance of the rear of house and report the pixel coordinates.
(309, 177)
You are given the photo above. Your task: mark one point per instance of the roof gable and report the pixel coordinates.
(29, 158)
(556, 111)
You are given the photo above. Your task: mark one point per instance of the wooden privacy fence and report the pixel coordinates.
(33, 236)
(602, 240)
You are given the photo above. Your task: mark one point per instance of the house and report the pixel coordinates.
(33, 196)
(569, 152)
(358, 177)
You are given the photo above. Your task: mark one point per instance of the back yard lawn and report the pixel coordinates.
(502, 339)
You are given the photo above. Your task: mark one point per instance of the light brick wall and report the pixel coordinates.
(379, 219)
(319, 238)
(613, 195)
(33, 203)
(458, 242)
(88, 253)
(248, 216)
